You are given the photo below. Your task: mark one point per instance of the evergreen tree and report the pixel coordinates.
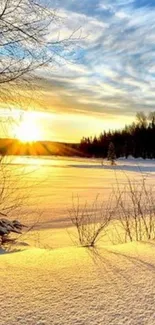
(111, 153)
(137, 140)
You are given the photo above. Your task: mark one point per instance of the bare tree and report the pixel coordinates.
(30, 37)
(18, 202)
(141, 119)
(26, 40)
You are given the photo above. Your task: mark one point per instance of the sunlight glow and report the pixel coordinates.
(28, 129)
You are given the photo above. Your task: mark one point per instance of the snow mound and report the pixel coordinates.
(78, 286)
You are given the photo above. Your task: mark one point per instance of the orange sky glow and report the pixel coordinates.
(44, 115)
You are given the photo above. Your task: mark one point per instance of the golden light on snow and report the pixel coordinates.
(28, 129)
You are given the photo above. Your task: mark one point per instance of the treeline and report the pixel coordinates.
(137, 139)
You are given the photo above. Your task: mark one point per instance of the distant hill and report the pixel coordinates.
(37, 148)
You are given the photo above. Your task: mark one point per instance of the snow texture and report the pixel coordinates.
(77, 286)
(69, 285)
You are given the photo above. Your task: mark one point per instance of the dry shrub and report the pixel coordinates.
(129, 215)
(90, 220)
(135, 211)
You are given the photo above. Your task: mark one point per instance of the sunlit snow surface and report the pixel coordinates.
(76, 286)
(51, 183)
(47, 280)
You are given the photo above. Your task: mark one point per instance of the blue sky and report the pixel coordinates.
(115, 69)
(110, 72)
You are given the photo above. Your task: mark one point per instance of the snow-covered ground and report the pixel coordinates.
(51, 183)
(77, 286)
(48, 280)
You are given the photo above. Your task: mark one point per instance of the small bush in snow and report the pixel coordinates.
(90, 220)
(7, 227)
(136, 210)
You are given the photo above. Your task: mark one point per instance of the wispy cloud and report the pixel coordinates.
(115, 70)
(112, 73)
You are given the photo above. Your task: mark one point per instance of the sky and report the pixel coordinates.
(105, 77)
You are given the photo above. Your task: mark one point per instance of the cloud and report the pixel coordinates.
(114, 68)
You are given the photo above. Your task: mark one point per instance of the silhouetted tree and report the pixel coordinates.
(111, 153)
(136, 139)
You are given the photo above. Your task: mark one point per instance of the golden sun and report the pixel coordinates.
(28, 130)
